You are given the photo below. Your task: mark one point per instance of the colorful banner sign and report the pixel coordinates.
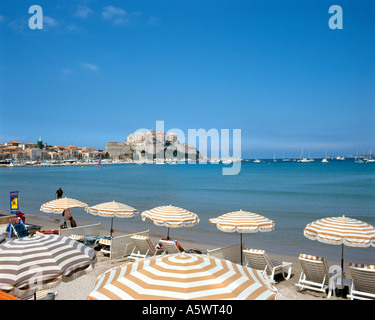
(14, 203)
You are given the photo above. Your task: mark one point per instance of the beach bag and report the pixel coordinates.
(72, 223)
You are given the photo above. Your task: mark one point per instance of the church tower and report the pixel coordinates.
(40, 143)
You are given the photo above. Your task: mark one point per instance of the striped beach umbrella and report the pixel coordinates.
(341, 230)
(112, 209)
(182, 276)
(41, 261)
(242, 222)
(59, 205)
(171, 217)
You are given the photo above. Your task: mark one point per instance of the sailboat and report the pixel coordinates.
(370, 158)
(304, 159)
(100, 158)
(11, 164)
(325, 159)
(215, 160)
(285, 159)
(256, 160)
(356, 159)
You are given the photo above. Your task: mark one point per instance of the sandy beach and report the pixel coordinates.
(79, 288)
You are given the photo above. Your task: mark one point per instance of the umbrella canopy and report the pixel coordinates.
(242, 222)
(112, 209)
(59, 205)
(182, 276)
(171, 217)
(32, 263)
(341, 230)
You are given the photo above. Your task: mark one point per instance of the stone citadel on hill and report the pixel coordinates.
(150, 146)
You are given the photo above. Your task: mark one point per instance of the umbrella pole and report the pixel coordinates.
(241, 247)
(168, 234)
(111, 227)
(342, 266)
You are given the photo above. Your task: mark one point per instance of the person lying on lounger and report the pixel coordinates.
(160, 246)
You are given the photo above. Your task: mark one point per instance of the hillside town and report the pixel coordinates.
(148, 146)
(29, 153)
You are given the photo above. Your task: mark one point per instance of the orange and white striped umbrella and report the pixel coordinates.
(112, 209)
(243, 222)
(341, 230)
(171, 217)
(59, 205)
(183, 276)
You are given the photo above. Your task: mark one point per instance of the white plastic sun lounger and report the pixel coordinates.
(316, 276)
(170, 246)
(363, 281)
(259, 260)
(143, 248)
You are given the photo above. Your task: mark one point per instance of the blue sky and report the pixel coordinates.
(99, 70)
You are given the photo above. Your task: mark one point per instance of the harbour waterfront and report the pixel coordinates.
(289, 193)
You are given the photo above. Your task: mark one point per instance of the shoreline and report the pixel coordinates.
(104, 162)
(79, 288)
(61, 164)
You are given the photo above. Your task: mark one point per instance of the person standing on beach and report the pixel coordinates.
(67, 214)
(59, 193)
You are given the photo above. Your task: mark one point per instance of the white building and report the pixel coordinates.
(27, 145)
(171, 137)
(35, 154)
(137, 137)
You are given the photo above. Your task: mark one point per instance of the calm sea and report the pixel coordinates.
(291, 194)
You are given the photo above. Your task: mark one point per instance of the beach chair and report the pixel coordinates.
(39, 295)
(259, 260)
(106, 245)
(170, 246)
(232, 252)
(20, 230)
(143, 248)
(363, 281)
(77, 237)
(317, 276)
(84, 239)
